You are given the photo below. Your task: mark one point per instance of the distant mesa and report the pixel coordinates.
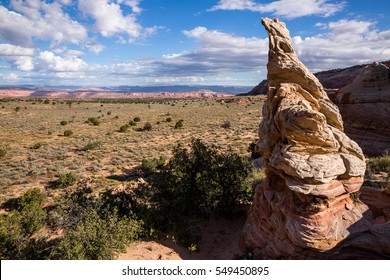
(121, 92)
(308, 206)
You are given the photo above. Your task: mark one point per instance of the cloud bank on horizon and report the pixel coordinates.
(135, 42)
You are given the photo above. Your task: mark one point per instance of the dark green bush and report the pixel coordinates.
(132, 123)
(226, 125)
(68, 133)
(93, 227)
(147, 127)
(93, 145)
(150, 166)
(93, 121)
(17, 109)
(137, 119)
(179, 124)
(97, 237)
(66, 180)
(29, 206)
(196, 183)
(124, 128)
(63, 122)
(17, 227)
(36, 146)
(169, 119)
(379, 164)
(32, 197)
(3, 152)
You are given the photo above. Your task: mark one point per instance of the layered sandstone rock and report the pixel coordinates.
(365, 106)
(307, 206)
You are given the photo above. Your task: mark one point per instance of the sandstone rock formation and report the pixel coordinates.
(307, 206)
(365, 106)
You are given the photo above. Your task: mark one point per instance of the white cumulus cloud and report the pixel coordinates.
(133, 4)
(217, 52)
(109, 18)
(49, 61)
(19, 57)
(31, 19)
(12, 50)
(283, 8)
(344, 43)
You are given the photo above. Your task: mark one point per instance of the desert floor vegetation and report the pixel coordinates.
(63, 147)
(111, 147)
(124, 170)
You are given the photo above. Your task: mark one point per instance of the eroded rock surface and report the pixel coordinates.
(365, 106)
(307, 206)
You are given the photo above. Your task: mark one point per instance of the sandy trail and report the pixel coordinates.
(220, 241)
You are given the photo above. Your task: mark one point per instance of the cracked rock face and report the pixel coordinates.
(306, 207)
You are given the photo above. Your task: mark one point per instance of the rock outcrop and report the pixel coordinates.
(365, 107)
(331, 80)
(307, 207)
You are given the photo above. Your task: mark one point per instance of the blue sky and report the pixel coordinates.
(165, 42)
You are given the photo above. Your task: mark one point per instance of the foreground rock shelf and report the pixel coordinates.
(308, 206)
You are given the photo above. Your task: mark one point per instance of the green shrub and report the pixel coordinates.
(66, 180)
(147, 127)
(36, 146)
(124, 128)
(97, 237)
(150, 166)
(3, 152)
(93, 121)
(132, 123)
(32, 197)
(93, 145)
(179, 124)
(169, 119)
(47, 101)
(17, 109)
(379, 164)
(33, 216)
(12, 238)
(93, 230)
(63, 122)
(137, 119)
(17, 227)
(226, 125)
(197, 182)
(68, 133)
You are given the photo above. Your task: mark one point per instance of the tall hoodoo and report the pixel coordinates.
(306, 207)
